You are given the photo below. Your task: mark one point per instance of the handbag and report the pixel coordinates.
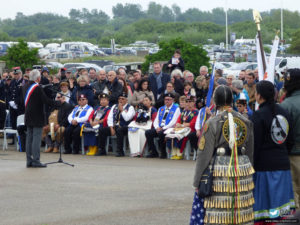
(205, 187)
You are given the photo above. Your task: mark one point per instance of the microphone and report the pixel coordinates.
(46, 85)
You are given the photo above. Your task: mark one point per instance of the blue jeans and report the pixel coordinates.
(33, 144)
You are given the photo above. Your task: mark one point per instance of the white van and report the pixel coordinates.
(285, 64)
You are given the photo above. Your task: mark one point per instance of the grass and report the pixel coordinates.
(114, 58)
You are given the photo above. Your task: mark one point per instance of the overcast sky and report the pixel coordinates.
(9, 8)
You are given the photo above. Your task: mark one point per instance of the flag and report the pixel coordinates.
(211, 87)
(260, 66)
(270, 73)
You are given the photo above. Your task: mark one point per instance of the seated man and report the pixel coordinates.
(77, 118)
(97, 120)
(119, 117)
(166, 118)
(59, 118)
(184, 125)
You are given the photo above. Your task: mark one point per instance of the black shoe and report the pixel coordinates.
(152, 155)
(100, 153)
(67, 152)
(119, 154)
(75, 153)
(28, 165)
(38, 165)
(11, 143)
(163, 156)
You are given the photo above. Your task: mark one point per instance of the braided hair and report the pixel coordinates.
(223, 96)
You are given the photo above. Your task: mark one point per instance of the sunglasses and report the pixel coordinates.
(187, 101)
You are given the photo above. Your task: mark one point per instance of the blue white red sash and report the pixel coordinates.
(29, 92)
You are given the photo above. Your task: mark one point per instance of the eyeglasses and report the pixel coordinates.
(188, 101)
(168, 99)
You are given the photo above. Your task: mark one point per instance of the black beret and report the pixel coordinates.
(123, 95)
(103, 95)
(169, 95)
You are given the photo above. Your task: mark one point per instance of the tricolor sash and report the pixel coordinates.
(29, 92)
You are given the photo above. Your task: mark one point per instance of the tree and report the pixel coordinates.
(21, 55)
(295, 44)
(193, 56)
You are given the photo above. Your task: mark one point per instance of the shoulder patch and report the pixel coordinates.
(201, 143)
(240, 129)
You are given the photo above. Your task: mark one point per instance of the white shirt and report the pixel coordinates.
(126, 115)
(82, 119)
(171, 123)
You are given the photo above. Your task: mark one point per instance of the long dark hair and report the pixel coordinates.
(125, 89)
(267, 91)
(140, 88)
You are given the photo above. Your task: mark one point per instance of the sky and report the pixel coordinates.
(28, 7)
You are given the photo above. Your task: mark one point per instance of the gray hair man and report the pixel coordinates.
(34, 99)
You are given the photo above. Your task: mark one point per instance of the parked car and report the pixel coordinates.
(61, 55)
(235, 69)
(82, 65)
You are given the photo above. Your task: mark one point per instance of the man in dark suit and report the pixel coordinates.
(34, 99)
(158, 80)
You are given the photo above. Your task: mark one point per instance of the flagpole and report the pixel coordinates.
(257, 19)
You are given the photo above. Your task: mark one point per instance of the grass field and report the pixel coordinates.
(114, 58)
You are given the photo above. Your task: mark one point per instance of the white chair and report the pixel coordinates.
(9, 130)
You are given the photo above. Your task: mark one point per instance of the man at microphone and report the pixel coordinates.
(34, 98)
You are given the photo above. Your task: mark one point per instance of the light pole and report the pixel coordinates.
(281, 11)
(226, 21)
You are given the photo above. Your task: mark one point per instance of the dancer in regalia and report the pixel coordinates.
(227, 146)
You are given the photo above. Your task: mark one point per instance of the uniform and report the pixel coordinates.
(72, 133)
(119, 121)
(165, 118)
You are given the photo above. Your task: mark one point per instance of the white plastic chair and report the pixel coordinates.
(9, 130)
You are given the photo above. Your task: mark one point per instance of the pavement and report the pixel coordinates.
(103, 190)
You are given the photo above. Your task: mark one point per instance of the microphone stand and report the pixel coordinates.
(60, 160)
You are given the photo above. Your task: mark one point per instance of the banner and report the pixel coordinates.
(270, 73)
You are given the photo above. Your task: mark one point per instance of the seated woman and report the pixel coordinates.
(143, 91)
(188, 89)
(97, 119)
(136, 129)
(185, 124)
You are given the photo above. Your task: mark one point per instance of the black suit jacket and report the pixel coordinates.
(63, 113)
(165, 78)
(34, 112)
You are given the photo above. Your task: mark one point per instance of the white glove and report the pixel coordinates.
(13, 105)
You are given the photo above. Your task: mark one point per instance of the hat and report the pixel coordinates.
(123, 95)
(103, 95)
(242, 98)
(17, 70)
(169, 95)
(45, 69)
(81, 96)
(64, 83)
(9, 77)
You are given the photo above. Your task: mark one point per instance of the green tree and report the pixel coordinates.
(21, 55)
(193, 56)
(295, 44)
